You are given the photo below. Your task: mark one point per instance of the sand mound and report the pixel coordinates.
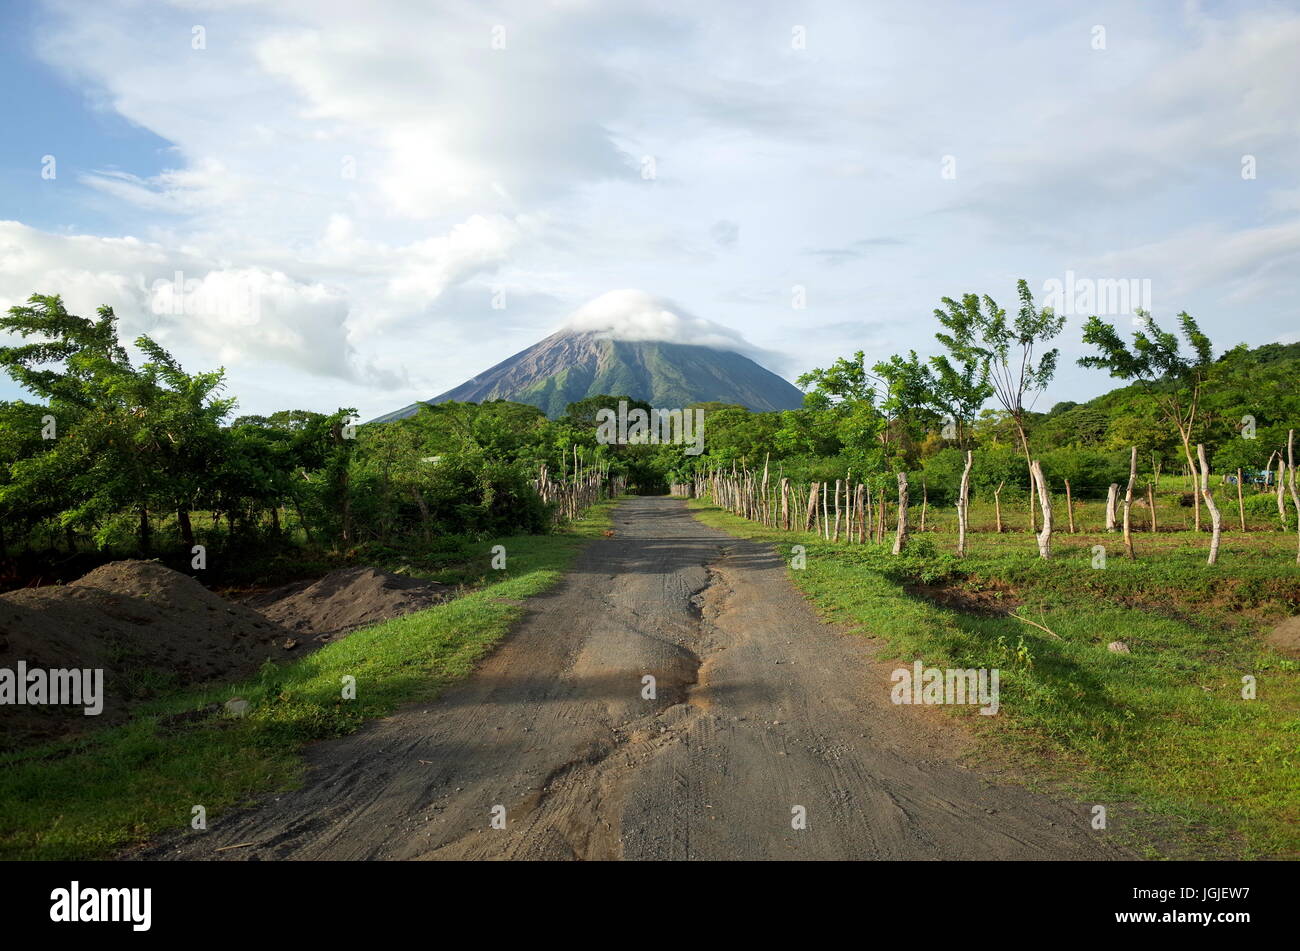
(342, 601)
(146, 626)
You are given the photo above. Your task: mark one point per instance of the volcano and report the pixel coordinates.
(572, 364)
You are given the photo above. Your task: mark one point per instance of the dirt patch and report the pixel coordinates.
(317, 612)
(1285, 638)
(148, 628)
(990, 599)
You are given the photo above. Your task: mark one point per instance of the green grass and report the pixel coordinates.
(1164, 727)
(98, 794)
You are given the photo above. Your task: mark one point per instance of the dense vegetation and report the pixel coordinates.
(921, 416)
(119, 458)
(124, 458)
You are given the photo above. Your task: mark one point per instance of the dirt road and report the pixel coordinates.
(760, 708)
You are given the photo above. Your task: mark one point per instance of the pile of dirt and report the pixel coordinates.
(1285, 638)
(146, 626)
(320, 611)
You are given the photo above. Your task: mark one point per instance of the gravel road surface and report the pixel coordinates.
(759, 709)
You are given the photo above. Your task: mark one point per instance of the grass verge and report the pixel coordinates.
(100, 793)
(1165, 727)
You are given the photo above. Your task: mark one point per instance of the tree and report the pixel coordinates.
(959, 392)
(981, 335)
(181, 438)
(840, 386)
(908, 402)
(1173, 382)
(126, 437)
(846, 393)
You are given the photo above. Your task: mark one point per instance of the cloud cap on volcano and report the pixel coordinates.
(637, 315)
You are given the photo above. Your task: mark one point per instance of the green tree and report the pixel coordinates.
(1173, 382)
(978, 334)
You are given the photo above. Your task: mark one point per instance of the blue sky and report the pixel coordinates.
(369, 204)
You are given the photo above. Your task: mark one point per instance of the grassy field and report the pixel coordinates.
(103, 792)
(1165, 727)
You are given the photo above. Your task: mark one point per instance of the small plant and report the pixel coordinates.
(1018, 655)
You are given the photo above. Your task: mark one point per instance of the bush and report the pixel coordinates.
(1263, 505)
(989, 467)
(1090, 471)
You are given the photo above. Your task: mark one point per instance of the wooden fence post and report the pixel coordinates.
(1295, 495)
(836, 536)
(1045, 501)
(1128, 502)
(963, 506)
(1069, 505)
(900, 537)
(1241, 504)
(1216, 525)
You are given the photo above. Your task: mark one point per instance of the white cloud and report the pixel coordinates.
(637, 315)
(209, 314)
(376, 170)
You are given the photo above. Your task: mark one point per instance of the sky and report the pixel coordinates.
(364, 205)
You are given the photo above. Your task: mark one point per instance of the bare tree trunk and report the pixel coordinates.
(1216, 526)
(1151, 504)
(925, 502)
(862, 513)
(1241, 504)
(848, 508)
(811, 513)
(826, 517)
(1281, 478)
(1069, 505)
(785, 504)
(900, 537)
(1128, 502)
(1112, 497)
(997, 502)
(963, 506)
(1045, 501)
(836, 537)
(1295, 494)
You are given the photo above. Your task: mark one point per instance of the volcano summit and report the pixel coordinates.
(628, 343)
